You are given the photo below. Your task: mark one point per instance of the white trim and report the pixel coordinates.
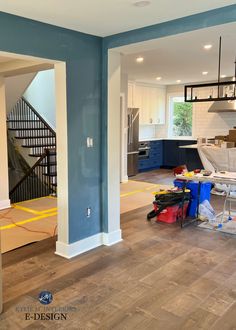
(69, 251)
(62, 153)
(170, 107)
(125, 179)
(4, 186)
(112, 238)
(113, 141)
(123, 139)
(6, 204)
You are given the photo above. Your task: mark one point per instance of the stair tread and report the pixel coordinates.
(50, 164)
(23, 120)
(28, 129)
(38, 145)
(39, 155)
(35, 137)
(35, 155)
(51, 174)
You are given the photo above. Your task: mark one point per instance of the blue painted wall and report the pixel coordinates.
(190, 23)
(82, 54)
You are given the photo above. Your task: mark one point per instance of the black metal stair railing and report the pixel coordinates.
(36, 135)
(31, 128)
(39, 181)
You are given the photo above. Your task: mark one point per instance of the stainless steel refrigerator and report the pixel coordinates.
(133, 140)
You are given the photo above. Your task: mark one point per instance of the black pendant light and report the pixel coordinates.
(218, 91)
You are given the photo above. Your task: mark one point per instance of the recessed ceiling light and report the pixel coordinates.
(142, 3)
(158, 78)
(205, 73)
(207, 47)
(178, 81)
(139, 59)
(223, 76)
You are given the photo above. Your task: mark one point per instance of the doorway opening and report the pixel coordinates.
(167, 133)
(33, 199)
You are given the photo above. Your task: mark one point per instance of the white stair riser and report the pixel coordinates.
(31, 133)
(25, 125)
(39, 141)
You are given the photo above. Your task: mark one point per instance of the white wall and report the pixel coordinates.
(207, 124)
(15, 87)
(41, 95)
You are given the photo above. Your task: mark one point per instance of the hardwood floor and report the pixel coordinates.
(162, 176)
(159, 277)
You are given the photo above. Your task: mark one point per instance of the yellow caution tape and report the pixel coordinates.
(27, 221)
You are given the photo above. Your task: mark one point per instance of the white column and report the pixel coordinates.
(4, 184)
(124, 131)
(1, 302)
(114, 75)
(62, 243)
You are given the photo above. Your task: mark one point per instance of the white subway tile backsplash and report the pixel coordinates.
(147, 131)
(211, 124)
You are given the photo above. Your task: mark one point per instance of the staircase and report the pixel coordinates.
(39, 141)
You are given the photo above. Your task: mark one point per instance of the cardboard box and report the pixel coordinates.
(221, 137)
(232, 135)
(227, 144)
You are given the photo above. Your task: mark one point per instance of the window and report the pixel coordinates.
(181, 115)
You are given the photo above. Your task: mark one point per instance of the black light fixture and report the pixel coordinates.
(218, 91)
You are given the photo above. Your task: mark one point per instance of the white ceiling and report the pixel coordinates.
(107, 17)
(182, 56)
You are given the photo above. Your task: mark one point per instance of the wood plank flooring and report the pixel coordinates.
(159, 277)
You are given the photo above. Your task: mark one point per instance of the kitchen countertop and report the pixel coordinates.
(151, 139)
(165, 138)
(189, 146)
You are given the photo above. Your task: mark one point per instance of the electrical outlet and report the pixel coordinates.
(88, 212)
(89, 142)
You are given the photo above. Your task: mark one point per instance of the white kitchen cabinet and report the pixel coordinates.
(142, 102)
(157, 105)
(151, 101)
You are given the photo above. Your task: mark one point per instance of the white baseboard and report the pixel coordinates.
(124, 179)
(69, 251)
(112, 238)
(6, 204)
